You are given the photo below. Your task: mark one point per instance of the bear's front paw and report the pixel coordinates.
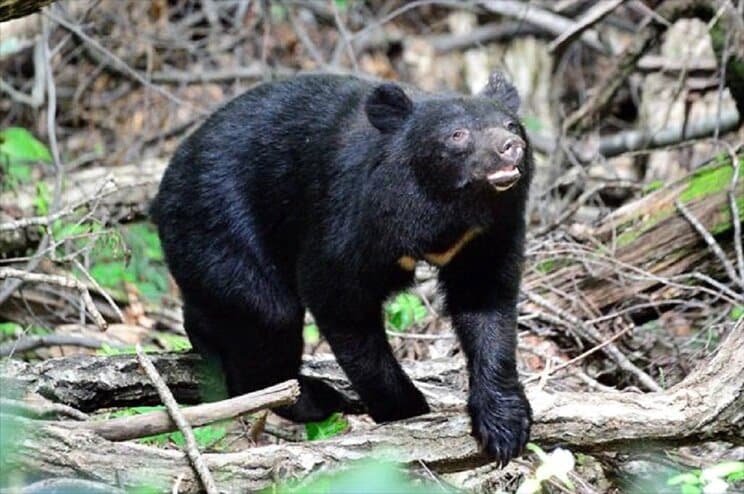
(501, 422)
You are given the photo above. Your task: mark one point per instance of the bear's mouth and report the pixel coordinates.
(504, 178)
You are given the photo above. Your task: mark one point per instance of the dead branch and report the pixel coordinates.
(101, 382)
(146, 424)
(545, 19)
(28, 343)
(634, 140)
(591, 17)
(641, 248)
(707, 405)
(174, 412)
(66, 282)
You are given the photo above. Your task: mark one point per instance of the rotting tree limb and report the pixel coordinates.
(707, 405)
(641, 247)
(147, 424)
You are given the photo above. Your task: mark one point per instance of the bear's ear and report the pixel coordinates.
(501, 89)
(387, 107)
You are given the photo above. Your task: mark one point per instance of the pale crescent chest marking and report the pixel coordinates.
(441, 259)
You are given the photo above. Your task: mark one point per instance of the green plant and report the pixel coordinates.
(557, 465)
(736, 312)
(18, 149)
(108, 350)
(713, 479)
(141, 264)
(206, 436)
(332, 426)
(368, 477)
(405, 310)
(311, 334)
(10, 329)
(173, 342)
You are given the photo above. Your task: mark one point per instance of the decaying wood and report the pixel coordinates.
(642, 245)
(89, 382)
(147, 424)
(708, 404)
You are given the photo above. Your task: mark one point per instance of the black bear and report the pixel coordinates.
(321, 192)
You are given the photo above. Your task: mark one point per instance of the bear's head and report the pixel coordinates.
(452, 141)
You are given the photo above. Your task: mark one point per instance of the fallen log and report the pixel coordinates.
(89, 382)
(638, 248)
(707, 405)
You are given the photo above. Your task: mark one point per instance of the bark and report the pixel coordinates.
(707, 405)
(12, 9)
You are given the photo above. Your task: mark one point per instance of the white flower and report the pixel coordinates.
(715, 486)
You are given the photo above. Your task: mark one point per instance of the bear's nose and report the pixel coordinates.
(511, 150)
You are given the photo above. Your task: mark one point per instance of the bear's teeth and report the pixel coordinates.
(504, 175)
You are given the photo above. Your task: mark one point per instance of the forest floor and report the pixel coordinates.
(632, 305)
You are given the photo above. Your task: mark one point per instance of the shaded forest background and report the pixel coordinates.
(632, 307)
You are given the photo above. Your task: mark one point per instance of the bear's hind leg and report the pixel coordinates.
(256, 351)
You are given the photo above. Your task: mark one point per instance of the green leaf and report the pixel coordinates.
(111, 274)
(539, 452)
(174, 342)
(690, 489)
(684, 478)
(18, 145)
(736, 312)
(20, 173)
(332, 426)
(311, 334)
(368, 477)
(405, 310)
(42, 199)
(206, 436)
(10, 328)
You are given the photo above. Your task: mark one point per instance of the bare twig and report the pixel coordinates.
(712, 243)
(345, 39)
(40, 410)
(304, 38)
(579, 357)
(594, 15)
(28, 343)
(99, 289)
(192, 449)
(118, 63)
(590, 334)
(62, 281)
(635, 140)
(556, 24)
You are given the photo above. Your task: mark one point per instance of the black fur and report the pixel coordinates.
(305, 194)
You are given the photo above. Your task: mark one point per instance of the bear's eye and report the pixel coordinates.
(460, 135)
(512, 127)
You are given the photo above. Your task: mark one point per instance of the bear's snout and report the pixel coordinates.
(511, 150)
